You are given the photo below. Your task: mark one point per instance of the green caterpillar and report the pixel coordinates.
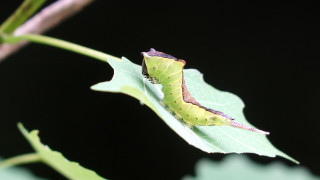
(167, 70)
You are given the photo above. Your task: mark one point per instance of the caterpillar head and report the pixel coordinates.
(160, 56)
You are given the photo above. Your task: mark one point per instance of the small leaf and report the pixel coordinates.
(242, 168)
(56, 160)
(128, 79)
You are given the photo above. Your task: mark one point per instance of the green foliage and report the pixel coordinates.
(56, 160)
(17, 173)
(128, 79)
(241, 168)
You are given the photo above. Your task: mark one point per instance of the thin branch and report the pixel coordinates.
(46, 19)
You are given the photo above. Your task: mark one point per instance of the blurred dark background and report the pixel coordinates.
(266, 53)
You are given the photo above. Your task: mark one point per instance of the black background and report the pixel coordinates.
(266, 53)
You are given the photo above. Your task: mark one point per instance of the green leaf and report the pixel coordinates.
(17, 173)
(128, 79)
(56, 160)
(242, 168)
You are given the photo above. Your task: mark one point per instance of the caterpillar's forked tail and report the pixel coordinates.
(242, 126)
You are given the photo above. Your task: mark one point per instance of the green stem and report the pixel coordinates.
(24, 11)
(21, 159)
(40, 39)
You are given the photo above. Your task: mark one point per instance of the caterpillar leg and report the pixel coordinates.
(189, 125)
(145, 91)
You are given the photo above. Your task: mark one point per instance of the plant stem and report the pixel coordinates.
(21, 159)
(24, 11)
(40, 39)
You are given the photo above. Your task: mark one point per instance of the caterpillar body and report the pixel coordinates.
(167, 70)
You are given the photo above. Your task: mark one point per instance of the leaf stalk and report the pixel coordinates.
(20, 159)
(40, 39)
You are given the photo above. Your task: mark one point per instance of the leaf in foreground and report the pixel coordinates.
(242, 168)
(17, 173)
(56, 160)
(128, 79)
